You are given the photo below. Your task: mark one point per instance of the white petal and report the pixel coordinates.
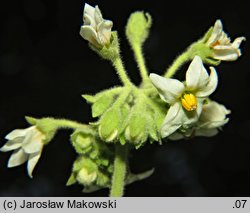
(104, 32)
(13, 144)
(17, 158)
(206, 132)
(98, 15)
(213, 115)
(18, 133)
(89, 34)
(173, 120)
(196, 75)
(88, 20)
(176, 136)
(170, 89)
(217, 30)
(33, 159)
(237, 42)
(226, 53)
(33, 142)
(33, 146)
(211, 85)
(89, 10)
(214, 124)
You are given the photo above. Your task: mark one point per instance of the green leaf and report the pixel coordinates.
(137, 177)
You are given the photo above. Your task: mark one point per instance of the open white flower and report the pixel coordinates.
(213, 117)
(95, 29)
(185, 99)
(28, 145)
(222, 47)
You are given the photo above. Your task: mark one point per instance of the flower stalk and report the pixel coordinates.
(178, 62)
(121, 72)
(120, 167)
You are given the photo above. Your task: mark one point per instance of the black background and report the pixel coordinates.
(45, 66)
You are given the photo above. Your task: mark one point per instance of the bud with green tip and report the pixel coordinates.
(137, 29)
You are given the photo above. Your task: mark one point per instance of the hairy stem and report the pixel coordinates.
(141, 62)
(178, 62)
(63, 123)
(120, 167)
(117, 62)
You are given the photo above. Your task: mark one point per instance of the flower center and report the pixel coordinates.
(189, 102)
(216, 43)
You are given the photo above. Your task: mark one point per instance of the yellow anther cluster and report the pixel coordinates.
(189, 102)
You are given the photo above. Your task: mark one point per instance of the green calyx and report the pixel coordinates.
(47, 126)
(111, 51)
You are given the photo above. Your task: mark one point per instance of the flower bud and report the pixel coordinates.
(137, 29)
(109, 124)
(85, 177)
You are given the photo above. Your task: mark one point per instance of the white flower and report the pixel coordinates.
(212, 118)
(28, 146)
(185, 99)
(222, 47)
(95, 29)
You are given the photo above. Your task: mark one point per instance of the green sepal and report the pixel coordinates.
(122, 139)
(72, 180)
(102, 104)
(31, 120)
(90, 98)
(93, 98)
(207, 35)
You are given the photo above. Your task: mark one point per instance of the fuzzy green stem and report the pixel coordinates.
(141, 62)
(178, 62)
(68, 124)
(117, 62)
(120, 167)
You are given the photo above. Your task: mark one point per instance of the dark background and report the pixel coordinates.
(45, 66)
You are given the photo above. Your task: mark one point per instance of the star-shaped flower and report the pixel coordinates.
(185, 99)
(95, 29)
(222, 47)
(27, 145)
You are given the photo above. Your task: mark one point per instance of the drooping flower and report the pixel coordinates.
(95, 29)
(27, 145)
(221, 44)
(213, 117)
(185, 99)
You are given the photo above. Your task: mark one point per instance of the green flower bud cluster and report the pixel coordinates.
(94, 166)
(127, 115)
